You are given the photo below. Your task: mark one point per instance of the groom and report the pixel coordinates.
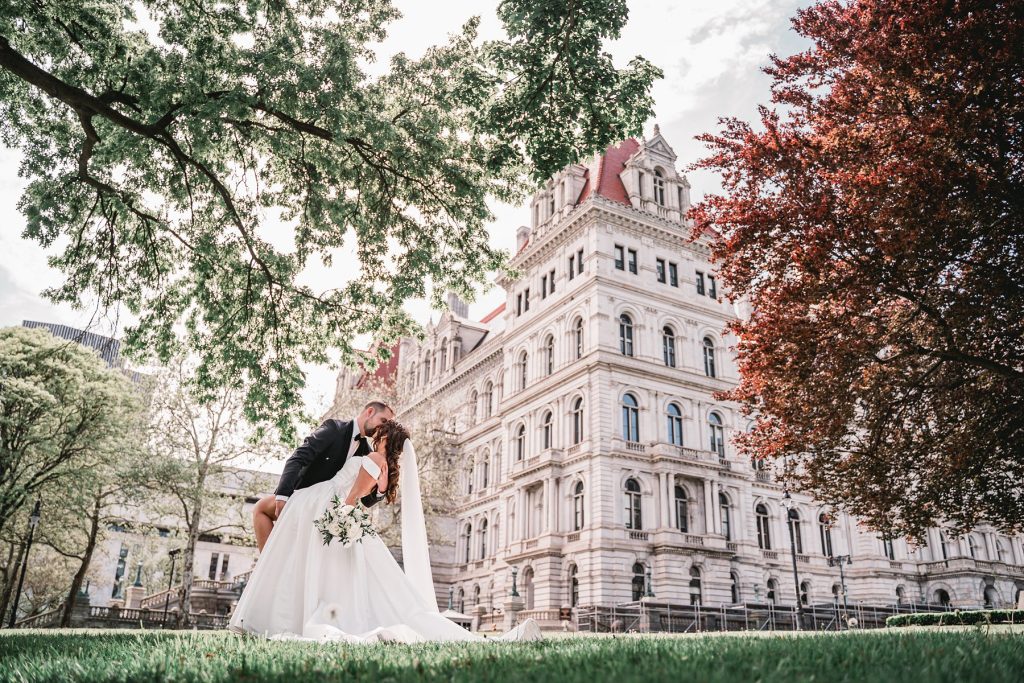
(320, 457)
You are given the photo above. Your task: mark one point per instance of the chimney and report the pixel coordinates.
(457, 305)
(522, 235)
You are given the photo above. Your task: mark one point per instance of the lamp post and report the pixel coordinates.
(839, 561)
(515, 593)
(649, 593)
(451, 592)
(170, 582)
(791, 514)
(33, 522)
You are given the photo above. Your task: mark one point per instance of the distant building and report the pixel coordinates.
(108, 347)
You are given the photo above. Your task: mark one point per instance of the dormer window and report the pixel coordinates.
(659, 187)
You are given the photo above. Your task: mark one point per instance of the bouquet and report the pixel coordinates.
(348, 524)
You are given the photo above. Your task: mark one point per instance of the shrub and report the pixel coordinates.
(958, 618)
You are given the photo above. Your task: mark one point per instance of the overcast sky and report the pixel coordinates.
(711, 53)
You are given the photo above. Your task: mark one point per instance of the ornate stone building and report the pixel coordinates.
(592, 450)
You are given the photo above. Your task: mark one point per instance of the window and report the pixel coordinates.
(712, 292)
(764, 538)
(551, 204)
(519, 308)
(520, 442)
(549, 355)
(700, 282)
(578, 334)
(213, 566)
(682, 510)
(483, 542)
(572, 267)
(444, 354)
(640, 183)
(577, 421)
(888, 549)
(773, 590)
(469, 479)
(794, 523)
(694, 586)
(574, 596)
(709, 357)
(468, 536)
(659, 188)
(674, 423)
(972, 547)
(673, 275)
(901, 595)
(638, 581)
(723, 507)
(224, 566)
(523, 367)
(716, 434)
(544, 287)
(1002, 552)
(668, 346)
(485, 473)
(526, 301)
(944, 544)
(474, 399)
(633, 518)
(805, 590)
(488, 399)
(632, 261)
(546, 430)
(577, 506)
(660, 269)
(579, 262)
(551, 282)
(734, 588)
(825, 532)
(630, 418)
(620, 257)
(625, 335)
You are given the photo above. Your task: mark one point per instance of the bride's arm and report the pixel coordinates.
(365, 481)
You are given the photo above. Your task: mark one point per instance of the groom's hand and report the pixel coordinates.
(279, 505)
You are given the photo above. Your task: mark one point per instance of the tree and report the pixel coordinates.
(61, 411)
(874, 225)
(159, 137)
(201, 448)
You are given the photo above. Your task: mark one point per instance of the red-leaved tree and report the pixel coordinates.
(873, 221)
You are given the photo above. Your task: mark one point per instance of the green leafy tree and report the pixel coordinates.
(158, 137)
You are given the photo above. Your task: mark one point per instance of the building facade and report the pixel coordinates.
(594, 459)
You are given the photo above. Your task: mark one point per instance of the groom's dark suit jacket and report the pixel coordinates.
(321, 455)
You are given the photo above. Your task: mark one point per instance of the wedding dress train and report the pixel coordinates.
(301, 588)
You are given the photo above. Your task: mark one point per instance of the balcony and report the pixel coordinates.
(638, 535)
(960, 565)
(574, 536)
(681, 453)
(763, 476)
(546, 458)
(770, 554)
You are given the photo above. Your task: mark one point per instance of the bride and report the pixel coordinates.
(301, 588)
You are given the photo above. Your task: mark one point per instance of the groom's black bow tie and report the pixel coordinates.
(364, 447)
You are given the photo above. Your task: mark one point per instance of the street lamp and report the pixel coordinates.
(791, 514)
(839, 561)
(649, 593)
(515, 593)
(170, 582)
(33, 522)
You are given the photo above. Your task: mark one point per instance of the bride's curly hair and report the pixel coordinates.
(396, 435)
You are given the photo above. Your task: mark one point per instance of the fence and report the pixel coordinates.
(655, 617)
(118, 617)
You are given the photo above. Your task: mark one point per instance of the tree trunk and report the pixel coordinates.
(12, 579)
(188, 562)
(76, 583)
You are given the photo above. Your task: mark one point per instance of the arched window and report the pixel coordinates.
(578, 338)
(630, 418)
(485, 473)
(709, 357)
(577, 420)
(694, 586)
(444, 355)
(469, 479)
(488, 399)
(577, 506)
(724, 508)
(764, 538)
(483, 539)
(638, 581)
(1002, 552)
(944, 544)
(476, 594)
(942, 597)
(773, 590)
(668, 346)
(805, 592)
(461, 603)
(837, 591)
(888, 549)
(523, 366)
(547, 427)
(468, 536)
(991, 597)
(633, 518)
(734, 588)
(549, 355)
(659, 187)
(520, 443)
(901, 595)
(674, 420)
(528, 587)
(794, 521)
(474, 399)
(625, 335)
(682, 510)
(825, 533)
(716, 434)
(574, 587)
(972, 546)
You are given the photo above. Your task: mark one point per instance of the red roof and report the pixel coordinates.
(609, 166)
(385, 372)
(493, 314)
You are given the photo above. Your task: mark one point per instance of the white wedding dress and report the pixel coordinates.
(302, 589)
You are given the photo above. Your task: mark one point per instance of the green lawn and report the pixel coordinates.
(972, 655)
